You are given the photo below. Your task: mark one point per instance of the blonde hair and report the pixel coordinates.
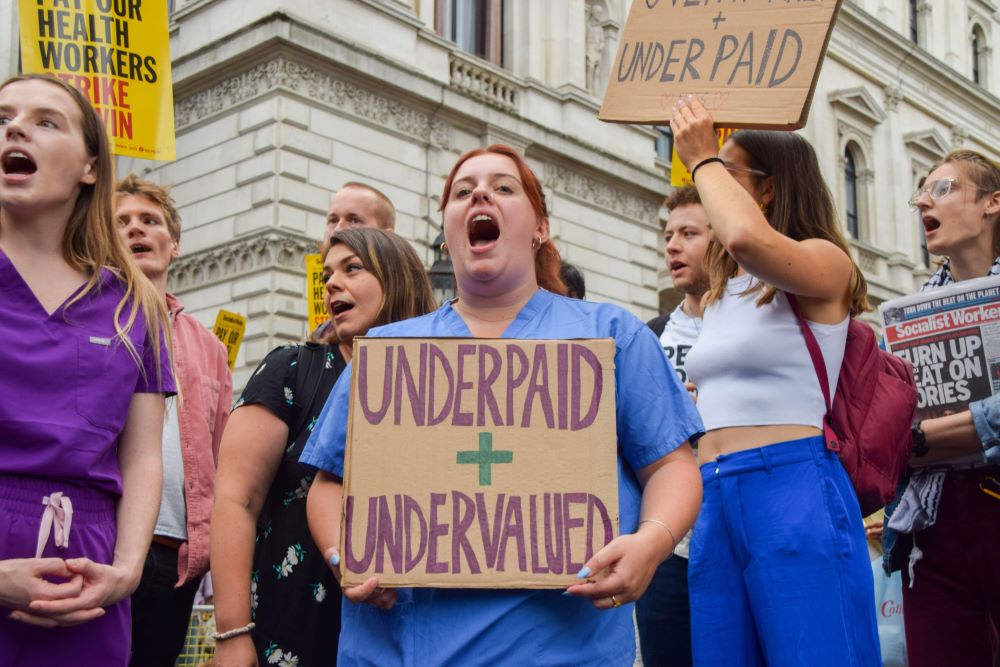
(984, 174)
(156, 193)
(91, 242)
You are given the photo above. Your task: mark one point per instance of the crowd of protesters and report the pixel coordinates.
(124, 473)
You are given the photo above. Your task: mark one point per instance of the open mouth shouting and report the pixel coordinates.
(677, 267)
(17, 163)
(483, 231)
(930, 223)
(139, 248)
(339, 307)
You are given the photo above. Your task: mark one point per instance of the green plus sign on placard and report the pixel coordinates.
(485, 457)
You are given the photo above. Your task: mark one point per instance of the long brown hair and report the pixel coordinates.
(91, 241)
(548, 263)
(802, 208)
(984, 174)
(406, 290)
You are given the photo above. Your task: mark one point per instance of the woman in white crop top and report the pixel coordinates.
(779, 570)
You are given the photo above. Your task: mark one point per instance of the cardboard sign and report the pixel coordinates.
(753, 64)
(117, 53)
(229, 328)
(679, 174)
(315, 288)
(473, 462)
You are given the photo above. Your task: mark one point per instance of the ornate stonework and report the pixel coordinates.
(600, 194)
(893, 96)
(320, 86)
(245, 256)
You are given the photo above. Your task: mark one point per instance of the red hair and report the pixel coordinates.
(548, 263)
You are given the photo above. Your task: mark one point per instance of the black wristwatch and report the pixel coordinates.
(920, 447)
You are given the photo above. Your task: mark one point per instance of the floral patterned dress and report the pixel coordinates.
(294, 598)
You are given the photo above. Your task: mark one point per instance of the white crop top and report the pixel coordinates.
(751, 365)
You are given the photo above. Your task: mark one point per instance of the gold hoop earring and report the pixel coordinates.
(763, 207)
(444, 246)
(536, 243)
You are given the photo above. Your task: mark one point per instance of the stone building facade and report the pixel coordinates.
(279, 102)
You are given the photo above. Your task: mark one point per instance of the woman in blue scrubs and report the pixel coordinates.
(507, 272)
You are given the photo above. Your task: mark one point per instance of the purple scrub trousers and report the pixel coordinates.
(102, 642)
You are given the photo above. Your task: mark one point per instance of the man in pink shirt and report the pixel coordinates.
(192, 429)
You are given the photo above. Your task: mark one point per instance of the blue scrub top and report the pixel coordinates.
(429, 626)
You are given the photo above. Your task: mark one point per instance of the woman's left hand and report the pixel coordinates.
(103, 586)
(694, 131)
(621, 571)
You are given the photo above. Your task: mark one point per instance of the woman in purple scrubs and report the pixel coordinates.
(82, 379)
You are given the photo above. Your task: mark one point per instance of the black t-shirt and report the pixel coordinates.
(295, 600)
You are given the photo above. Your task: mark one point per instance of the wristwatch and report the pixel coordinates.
(920, 447)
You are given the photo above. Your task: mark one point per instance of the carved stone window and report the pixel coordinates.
(858, 114)
(980, 56)
(919, 14)
(475, 25)
(851, 190)
(925, 148)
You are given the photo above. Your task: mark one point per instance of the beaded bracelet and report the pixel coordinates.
(236, 632)
(666, 528)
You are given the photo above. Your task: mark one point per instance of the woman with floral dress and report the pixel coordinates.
(275, 597)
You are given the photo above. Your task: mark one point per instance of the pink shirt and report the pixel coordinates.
(206, 392)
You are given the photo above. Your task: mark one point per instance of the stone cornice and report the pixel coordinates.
(296, 77)
(242, 257)
(893, 58)
(598, 193)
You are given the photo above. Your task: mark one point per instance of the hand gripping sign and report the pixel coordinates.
(485, 463)
(753, 63)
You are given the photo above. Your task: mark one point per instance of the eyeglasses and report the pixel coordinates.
(743, 170)
(942, 187)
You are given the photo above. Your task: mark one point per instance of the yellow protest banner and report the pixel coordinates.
(229, 328)
(117, 53)
(679, 174)
(315, 288)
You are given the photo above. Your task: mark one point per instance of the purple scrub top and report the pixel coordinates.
(66, 383)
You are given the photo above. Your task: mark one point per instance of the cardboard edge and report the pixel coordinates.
(807, 106)
(346, 576)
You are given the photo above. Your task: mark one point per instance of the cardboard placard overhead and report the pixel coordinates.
(753, 64)
(117, 53)
(481, 463)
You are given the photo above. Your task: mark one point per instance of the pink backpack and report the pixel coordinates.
(869, 424)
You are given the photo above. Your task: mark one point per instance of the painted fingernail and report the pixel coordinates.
(335, 560)
(567, 594)
(584, 573)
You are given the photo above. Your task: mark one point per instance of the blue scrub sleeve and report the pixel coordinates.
(325, 448)
(986, 418)
(655, 413)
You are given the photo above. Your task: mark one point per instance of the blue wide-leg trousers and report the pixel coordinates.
(779, 572)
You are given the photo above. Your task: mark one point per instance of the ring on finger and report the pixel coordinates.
(614, 602)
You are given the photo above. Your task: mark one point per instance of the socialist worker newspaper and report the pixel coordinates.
(951, 335)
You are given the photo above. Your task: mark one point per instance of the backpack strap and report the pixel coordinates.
(658, 324)
(308, 370)
(819, 365)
